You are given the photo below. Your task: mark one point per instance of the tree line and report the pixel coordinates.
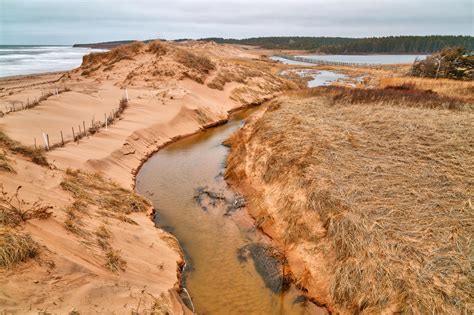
(345, 45)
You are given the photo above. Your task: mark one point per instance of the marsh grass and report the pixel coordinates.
(405, 94)
(456, 89)
(379, 183)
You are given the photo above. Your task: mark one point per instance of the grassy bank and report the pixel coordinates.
(373, 189)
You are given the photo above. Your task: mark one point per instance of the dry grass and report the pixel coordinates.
(103, 236)
(35, 155)
(445, 87)
(106, 195)
(94, 61)
(396, 95)
(114, 262)
(239, 74)
(383, 193)
(4, 165)
(157, 48)
(16, 247)
(14, 211)
(199, 66)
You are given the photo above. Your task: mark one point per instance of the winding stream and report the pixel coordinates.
(230, 268)
(220, 278)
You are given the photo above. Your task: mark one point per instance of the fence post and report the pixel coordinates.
(62, 138)
(80, 132)
(45, 139)
(84, 125)
(73, 135)
(35, 143)
(106, 121)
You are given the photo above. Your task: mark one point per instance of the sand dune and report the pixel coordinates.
(168, 97)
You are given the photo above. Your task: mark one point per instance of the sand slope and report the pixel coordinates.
(167, 99)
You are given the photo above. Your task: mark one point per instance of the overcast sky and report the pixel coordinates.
(74, 21)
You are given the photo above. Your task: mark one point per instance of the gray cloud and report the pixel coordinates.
(54, 21)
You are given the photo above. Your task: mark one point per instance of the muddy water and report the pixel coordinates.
(185, 183)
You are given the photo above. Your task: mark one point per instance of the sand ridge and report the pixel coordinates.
(167, 99)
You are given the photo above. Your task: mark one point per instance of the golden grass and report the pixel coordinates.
(14, 210)
(399, 95)
(16, 247)
(94, 61)
(106, 195)
(114, 262)
(35, 155)
(445, 87)
(157, 48)
(5, 165)
(383, 193)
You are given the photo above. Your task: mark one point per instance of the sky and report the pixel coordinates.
(86, 21)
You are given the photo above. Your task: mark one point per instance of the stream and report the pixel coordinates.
(231, 267)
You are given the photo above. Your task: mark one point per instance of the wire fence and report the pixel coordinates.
(19, 106)
(83, 129)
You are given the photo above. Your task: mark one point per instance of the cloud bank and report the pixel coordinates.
(73, 21)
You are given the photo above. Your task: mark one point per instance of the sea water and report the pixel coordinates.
(22, 60)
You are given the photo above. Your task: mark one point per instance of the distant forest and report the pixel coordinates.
(344, 45)
(339, 45)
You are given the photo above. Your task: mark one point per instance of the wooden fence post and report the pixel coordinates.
(62, 138)
(84, 125)
(73, 135)
(45, 139)
(106, 121)
(35, 143)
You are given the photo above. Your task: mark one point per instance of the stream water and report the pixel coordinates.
(227, 269)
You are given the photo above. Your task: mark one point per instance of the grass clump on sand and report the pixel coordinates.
(199, 66)
(35, 155)
(14, 211)
(114, 261)
(106, 195)
(381, 192)
(16, 247)
(157, 48)
(4, 165)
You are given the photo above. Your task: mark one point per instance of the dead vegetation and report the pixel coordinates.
(14, 210)
(35, 155)
(382, 191)
(451, 63)
(455, 89)
(391, 95)
(5, 165)
(93, 61)
(105, 195)
(239, 74)
(17, 246)
(157, 48)
(199, 66)
(114, 262)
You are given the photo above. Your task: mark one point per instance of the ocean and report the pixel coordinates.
(21, 60)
